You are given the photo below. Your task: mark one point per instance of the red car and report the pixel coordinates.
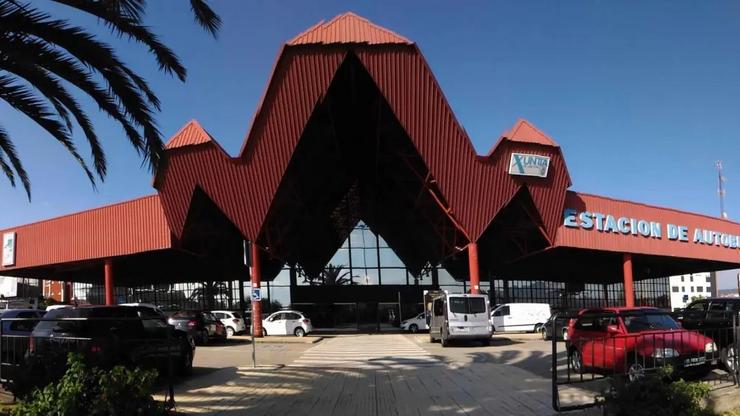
(632, 341)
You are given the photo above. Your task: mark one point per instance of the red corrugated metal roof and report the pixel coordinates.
(525, 132)
(628, 243)
(347, 28)
(190, 134)
(129, 227)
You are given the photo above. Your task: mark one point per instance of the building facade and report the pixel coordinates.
(686, 287)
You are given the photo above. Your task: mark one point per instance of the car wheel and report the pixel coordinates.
(543, 333)
(299, 332)
(728, 358)
(576, 361)
(413, 328)
(230, 332)
(635, 372)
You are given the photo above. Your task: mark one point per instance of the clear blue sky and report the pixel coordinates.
(643, 97)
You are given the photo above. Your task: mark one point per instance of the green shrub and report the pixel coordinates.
(656, 395)
(95, 392)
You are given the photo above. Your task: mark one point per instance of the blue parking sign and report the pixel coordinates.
(256, 294)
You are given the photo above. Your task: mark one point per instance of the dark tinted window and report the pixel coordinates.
(698, 306)
(438, 309)
(237, 315)
(589, 321)
(648, 321)
(292, 316)
(460, 304)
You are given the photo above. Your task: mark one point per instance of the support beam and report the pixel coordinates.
(110, 295)
(473, 268)
(256, 276)
(629, 289)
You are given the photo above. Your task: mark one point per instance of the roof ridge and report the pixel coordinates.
(202, 136)
(360, 32)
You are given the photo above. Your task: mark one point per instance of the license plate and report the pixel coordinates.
(690, 362)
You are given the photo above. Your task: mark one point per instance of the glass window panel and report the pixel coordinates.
(445, 278)
(362, 237)
(393, 276)
(381, 242)
(283, 278)
(364, 258)
(341, 258)
(365, 277)
(279, 297)
(389, 259)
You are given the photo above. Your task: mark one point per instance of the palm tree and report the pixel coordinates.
(40, 57)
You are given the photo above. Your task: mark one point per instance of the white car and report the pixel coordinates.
(287, 323)
(415, 324)
(233, 322)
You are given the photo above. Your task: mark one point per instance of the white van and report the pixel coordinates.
(457, 316)
(519, 317)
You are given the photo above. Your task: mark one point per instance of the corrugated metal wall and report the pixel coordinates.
(115, 230)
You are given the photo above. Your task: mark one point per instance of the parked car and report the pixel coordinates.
(155, 308)
(287, 322)
(233, 322)
(415, 324)
(714, 317)
(519, 317)
(557, 326)
(15, 335)
(106, 336)
(201, 326)
(457, 316)
(633, 341)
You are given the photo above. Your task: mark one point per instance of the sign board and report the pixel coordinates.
(645, 228)
(256, 294)
(524, 164)
(9, 249)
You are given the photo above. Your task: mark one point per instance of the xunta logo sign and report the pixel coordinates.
(524, 164)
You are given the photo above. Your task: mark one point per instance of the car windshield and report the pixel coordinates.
(648, 321)
(464, 304)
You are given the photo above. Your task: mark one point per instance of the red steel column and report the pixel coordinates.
(629, 289)
(110, 296)
(256, 276)
(473, 268)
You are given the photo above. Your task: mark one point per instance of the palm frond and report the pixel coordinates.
(7, 147)
(24, 100)
(55, 92)
(205, 16)
(50, 59)
(124, 25)
(97, 56)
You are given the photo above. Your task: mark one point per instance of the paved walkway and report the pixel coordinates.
(366, 352)
(369, 375)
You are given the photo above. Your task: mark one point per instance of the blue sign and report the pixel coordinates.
(256, 294)
(524, 164)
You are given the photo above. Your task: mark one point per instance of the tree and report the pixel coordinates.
(331, 276)
(41, 57)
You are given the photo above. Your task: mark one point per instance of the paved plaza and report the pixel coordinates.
(391, 374)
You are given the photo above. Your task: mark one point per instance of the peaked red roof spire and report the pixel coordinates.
(190, 134)
(524, 131)
(348, 28)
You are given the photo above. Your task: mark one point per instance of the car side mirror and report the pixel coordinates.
(612, 329)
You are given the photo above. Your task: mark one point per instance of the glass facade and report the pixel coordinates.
(367, 287)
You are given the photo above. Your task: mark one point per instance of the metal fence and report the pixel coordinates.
(34, 351)
(585, 367)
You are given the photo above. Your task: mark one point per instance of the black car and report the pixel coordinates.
(107, 336)
(714, 318)
(557, 324)
(201, 326)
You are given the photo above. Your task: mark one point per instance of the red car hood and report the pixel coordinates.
(681, 340)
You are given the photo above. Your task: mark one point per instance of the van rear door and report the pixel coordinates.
(467, 311)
